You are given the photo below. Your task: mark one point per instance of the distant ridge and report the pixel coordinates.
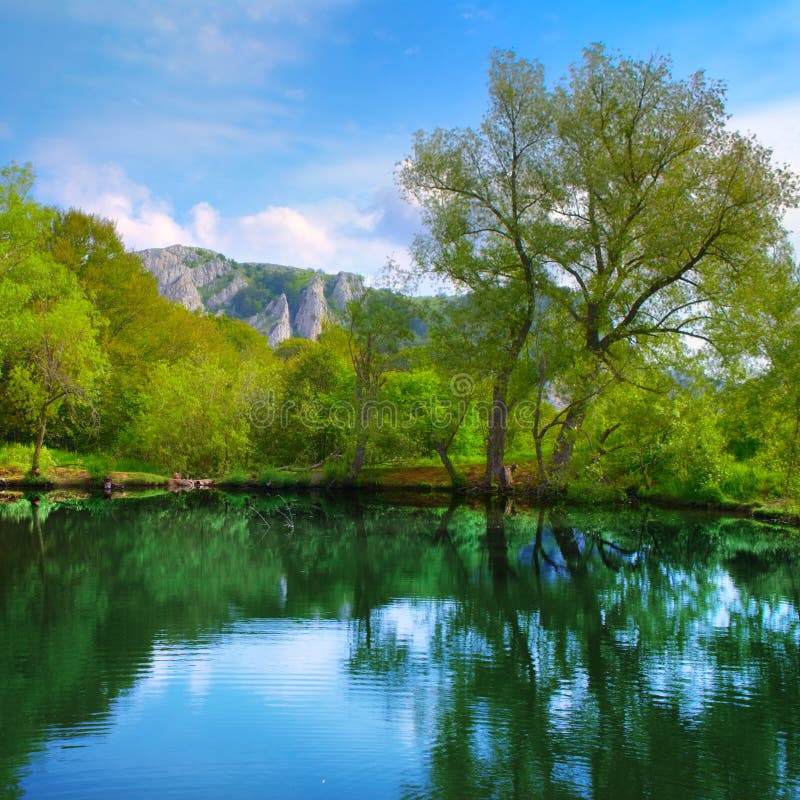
(276, 300)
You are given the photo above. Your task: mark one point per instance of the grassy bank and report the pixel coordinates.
(63, 470)
(761, 505)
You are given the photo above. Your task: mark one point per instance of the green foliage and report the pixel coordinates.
(620, 196)
(591, 228)
(193, 419)
(264, 285)
(378, 328)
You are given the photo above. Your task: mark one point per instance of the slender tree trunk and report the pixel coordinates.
(360, 455)
(537, 443)
(358, 460)
(37, 450)
(565, 443)
(498, 430)
(498, 422)
(792, 454)
(538, 435)
(441, 449)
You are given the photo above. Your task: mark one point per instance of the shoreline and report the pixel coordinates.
(525, 496)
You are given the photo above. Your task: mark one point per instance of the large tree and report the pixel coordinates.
(378, 327)
(620, 194)
(49, 341)
(59, 359)
(664, 209)
(485, 202)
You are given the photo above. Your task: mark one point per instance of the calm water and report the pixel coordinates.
(213, 646)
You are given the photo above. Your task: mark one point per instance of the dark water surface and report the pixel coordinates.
(215, 646)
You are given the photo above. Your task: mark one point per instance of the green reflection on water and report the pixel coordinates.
(539, 654)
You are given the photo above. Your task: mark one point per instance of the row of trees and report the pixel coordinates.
(89, 350)
(626, 311)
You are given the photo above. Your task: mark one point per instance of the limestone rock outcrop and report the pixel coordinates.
(312, 310)
(224, 296)
(258, 293)
(274, 321)
(180, 271)
(346, 288)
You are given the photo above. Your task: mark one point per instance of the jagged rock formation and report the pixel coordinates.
(278, 301)
(344, 291)
(312, 312)
(273, 322)
(180, 271)
(224, 296)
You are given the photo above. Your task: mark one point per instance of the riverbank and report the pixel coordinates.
(63, 478)
(429, 480)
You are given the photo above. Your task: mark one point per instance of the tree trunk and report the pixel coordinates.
(440, 448)
(538, 433)
(358, 461)
(792, 454)
(496, 445)
(362, 434)
(498, 422)
(37, 450)
(537, 443)
(565, 443)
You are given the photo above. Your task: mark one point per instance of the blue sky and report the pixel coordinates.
(269, 129)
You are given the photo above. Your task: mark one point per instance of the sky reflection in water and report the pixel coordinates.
(181, 647)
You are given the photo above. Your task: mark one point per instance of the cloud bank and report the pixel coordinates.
(777, 126)
(328, 234)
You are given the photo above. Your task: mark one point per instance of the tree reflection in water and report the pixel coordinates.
(593, 661)
(539, 653)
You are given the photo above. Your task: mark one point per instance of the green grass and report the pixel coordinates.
(15, 459)
(741, 485)
(64, 465)
(264, 475)
(100, 464)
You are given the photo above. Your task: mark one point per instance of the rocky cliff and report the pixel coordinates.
(181, 271)
(276, 300)
(313, 310)
(274, 321)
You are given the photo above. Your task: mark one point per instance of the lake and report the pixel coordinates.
(206, 645)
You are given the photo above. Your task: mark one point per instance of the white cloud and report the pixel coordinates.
(777, 126)
(107, 191)
(330, 234)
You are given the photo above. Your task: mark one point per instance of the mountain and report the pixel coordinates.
(276, 300)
